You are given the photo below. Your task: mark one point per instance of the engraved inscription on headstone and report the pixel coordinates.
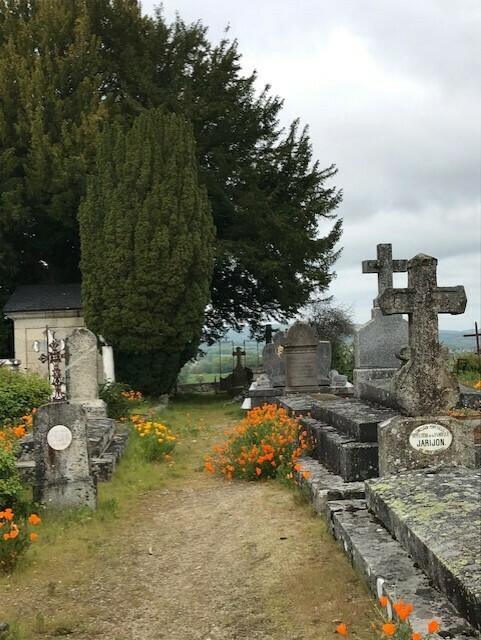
(430, 438)
(59, 437)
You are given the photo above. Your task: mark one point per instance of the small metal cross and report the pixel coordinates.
(476, 335)
(53, 356)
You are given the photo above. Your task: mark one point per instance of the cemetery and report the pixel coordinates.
(207, 431)
(396, 476)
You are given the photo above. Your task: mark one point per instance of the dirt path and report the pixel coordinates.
(204, 560)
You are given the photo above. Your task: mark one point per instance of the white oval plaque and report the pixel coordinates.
(430, 438)
(59, 437)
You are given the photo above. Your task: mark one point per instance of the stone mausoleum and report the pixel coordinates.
(33, 308)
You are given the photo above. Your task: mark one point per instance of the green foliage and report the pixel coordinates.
(334, 324)
(343, 358)
(468, 362)
(67, 68)
(147, 241)
(10, 486)
(116, 395)
(20, 393)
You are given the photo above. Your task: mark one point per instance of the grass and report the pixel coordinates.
(56, 589)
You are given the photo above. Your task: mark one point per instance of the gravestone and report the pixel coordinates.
(273, 361)
(324, 358)
(301, 360)
(377, 342)
(81, 372)
(419, 443)
(63, 477)
(424, 385)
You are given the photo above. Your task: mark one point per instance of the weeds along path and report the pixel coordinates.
(197, 559)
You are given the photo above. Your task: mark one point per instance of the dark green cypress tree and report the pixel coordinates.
(147, 239)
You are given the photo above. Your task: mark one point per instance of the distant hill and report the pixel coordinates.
(456, 341)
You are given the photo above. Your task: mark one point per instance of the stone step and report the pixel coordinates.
(435, 514)
(389, 570)
(100, 432)
(353, 417)
(322, 485)
(352, 460)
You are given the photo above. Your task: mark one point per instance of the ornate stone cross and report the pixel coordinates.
(238, 353)
(423, 385)
(384, 266)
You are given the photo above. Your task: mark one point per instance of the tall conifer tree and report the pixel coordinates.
(147, 248)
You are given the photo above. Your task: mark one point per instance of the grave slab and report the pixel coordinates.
(390, 571)
(435, 514)
(353, 461)
(352, 417)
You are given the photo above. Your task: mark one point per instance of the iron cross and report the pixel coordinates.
(476, 335)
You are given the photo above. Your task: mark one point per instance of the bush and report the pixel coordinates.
(267, 444)
(156, 440)
(120, 399)
(20, 392)
(10, 486)
(14, 538)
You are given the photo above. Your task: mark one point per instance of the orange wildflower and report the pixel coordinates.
(6, 536)
(34, 519)
(8, 514)
(258, 471)
(342, 629)
(433, 626)
(306, 475)
(389, 628)
(383, 601)
(33, 537)
(403, 610)
(417, 636)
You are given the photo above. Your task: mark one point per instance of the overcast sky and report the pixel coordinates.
(391, 92)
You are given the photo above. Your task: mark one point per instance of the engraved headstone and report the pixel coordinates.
(63, 476)
(300, 353)
(81, 368)
(423, 442)
(424, 385)
(378, 340)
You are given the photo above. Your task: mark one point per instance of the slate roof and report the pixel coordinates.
(44, 297)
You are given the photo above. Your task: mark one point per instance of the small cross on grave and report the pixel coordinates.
(384, 266)
(53, 354)
(424, 372)
(238, 353)
(476, 335)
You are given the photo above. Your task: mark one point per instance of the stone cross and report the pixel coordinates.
(384, 266)
(238, 353)
(423, 383)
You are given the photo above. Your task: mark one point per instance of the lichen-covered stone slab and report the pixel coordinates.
(389, 569)
(435, 514)
(352, 417)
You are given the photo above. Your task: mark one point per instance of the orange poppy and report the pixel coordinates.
(342, 629)
(433, 626)
(389, 628)
(383, 601)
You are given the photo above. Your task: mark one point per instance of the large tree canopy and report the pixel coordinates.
(67, 67)
(147, 249)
